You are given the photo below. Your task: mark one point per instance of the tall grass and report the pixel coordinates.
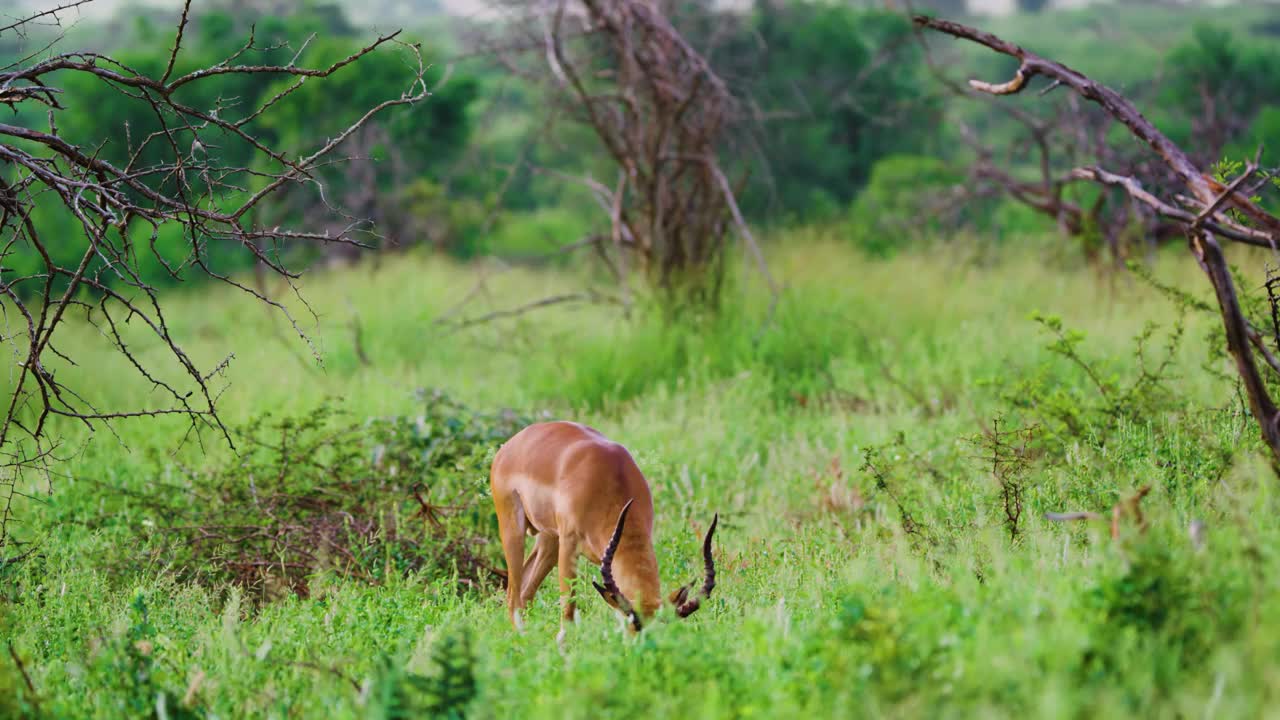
(865, 564)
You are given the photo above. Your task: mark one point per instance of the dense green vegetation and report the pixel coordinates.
(867, 560)
(882, 442)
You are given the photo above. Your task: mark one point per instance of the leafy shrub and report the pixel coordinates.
(536, 234)
(425, 213)
(320, 492)
(1093, 406)
(892, 647)
(1010, 456)
(891, 474)
(1160, 604)
(1013, 219)
(446, 692)
(127, 661)
(901, 203)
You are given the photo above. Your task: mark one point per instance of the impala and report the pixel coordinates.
(579, 493)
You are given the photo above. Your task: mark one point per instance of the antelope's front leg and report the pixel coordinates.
(567, 562)
(546, 551)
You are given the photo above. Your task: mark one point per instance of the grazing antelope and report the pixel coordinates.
(577, 492)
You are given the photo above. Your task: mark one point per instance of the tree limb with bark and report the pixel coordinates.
(663, 117)
(1213, 210)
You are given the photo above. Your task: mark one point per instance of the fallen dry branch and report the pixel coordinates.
(1128, 507)
(1212, 201)
(587, 296)
(26, 676)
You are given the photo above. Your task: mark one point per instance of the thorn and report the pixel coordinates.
(1052, 86)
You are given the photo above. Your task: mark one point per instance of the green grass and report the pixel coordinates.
(826, 604)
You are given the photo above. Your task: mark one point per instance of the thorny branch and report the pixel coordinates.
(118, 211)
(1205, 219)
(1056, 141)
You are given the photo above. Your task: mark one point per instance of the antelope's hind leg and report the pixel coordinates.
(511, 528)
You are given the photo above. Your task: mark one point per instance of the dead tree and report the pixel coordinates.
(663, 117)
(1213, 210)
(119, 210)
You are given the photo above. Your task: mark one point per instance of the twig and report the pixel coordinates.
(587, 296)
(115, 203)
(26, 677)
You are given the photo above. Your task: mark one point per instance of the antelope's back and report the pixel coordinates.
(575, 467)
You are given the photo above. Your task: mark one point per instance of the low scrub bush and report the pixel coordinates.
(1162, 607)
(445, 691)
(892, 644)
(323, 492)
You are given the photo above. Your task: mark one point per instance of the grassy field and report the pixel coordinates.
(874, 559)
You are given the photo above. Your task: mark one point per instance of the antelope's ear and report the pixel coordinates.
(679, 596)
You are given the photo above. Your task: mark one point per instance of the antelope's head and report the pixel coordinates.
(684, 605)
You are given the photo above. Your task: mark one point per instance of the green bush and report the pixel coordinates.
(892, 645)
(367, 500)
(897, 206)
(1162, 606)
(537, 235)
(127, 662)
(446, 692)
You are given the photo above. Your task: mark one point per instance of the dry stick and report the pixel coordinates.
(1133, 507)
(44, 13)
(1129, 505)
(747, 237)
(1225, 228)
(587, 296)
(194, 687)
(22, 668)
(177, 41)
(357, 333)
(615, 234)
(1204, 246)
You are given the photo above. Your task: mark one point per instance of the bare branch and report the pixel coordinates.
(50, 13)
(115, 207)
(578, 297)
(663, 117)
(1202, 228)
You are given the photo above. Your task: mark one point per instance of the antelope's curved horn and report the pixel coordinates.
(606, 564)
(685, 609)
